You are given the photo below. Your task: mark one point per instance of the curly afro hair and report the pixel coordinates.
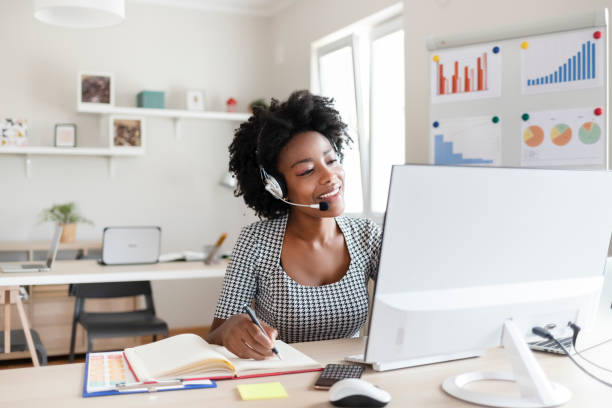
(259, 141)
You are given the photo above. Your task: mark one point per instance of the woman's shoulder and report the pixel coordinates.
(265, 227)
(357, 222)
(363, 227)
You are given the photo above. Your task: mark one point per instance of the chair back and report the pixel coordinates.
(110, 289)
(103, 290)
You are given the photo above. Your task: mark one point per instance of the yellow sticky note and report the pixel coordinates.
(262, 391)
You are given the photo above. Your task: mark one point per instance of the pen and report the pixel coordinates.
(214, 250)
(150, 386)
(251, 314)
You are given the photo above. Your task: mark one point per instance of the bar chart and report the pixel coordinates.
(466, 73)
(464, 78)
(466, 141)
(562, 62)
(578, 67)
(444, 154)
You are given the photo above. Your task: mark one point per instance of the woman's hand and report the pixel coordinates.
(243, 338)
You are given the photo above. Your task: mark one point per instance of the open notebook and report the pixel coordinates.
(188, 356)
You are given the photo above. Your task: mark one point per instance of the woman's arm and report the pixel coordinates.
(242, 337)
(231, 328)
(375, 244)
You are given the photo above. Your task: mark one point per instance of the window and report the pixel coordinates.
(363, 71)
(337, 80)
(388, 142)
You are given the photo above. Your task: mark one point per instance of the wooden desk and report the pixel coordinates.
(86, 271)
(61, 386)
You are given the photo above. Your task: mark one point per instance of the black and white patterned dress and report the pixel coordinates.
(299, 312)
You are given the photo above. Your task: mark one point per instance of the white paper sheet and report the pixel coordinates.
(466, 73)
(571, 137)
(467, 141)
(563, 61)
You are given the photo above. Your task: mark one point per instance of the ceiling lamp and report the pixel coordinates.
(80, 13)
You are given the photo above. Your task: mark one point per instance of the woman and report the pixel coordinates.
(305, 269)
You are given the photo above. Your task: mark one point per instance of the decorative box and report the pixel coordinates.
(151, 99)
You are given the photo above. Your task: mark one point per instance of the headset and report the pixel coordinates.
(277, 188)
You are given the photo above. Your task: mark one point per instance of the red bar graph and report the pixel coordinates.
(473, 78)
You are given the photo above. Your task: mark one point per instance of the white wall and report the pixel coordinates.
(175, 184)
(305, 21)
(446, 17)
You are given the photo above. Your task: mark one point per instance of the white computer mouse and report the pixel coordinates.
(353, 392)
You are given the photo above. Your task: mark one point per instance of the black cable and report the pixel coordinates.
(542, 332)
(576, 330)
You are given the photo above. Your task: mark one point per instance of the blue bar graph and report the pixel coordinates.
(577, 68)
(443, 154)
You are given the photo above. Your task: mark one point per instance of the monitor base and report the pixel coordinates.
(537, 391)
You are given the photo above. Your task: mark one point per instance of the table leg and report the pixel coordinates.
(6, 301)
(25, 324)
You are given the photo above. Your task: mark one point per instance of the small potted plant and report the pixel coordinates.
(66, 215)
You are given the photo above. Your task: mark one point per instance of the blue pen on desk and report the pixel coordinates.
(251, 314)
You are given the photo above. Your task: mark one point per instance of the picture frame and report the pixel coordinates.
(65, 135)
(95, 89)
(195, 100)
(126, 132)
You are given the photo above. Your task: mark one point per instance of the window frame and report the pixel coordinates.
(360, 37)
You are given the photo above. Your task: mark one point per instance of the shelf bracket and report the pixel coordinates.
(28, 165)
(177, 128)
(111, 167)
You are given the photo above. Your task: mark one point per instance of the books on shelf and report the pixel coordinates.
(189, 357)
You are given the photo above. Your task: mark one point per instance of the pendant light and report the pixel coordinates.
(80, 13)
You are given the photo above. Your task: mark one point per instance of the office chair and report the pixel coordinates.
(118, 324)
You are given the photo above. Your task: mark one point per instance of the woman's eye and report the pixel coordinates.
(306, 172)
(332, 161)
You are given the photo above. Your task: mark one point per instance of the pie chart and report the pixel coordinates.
(533, 136)
(589, 133)
(561, 134)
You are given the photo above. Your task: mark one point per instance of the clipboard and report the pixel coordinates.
(108, 373)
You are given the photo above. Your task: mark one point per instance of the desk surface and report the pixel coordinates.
(61, 386)
(87, 271)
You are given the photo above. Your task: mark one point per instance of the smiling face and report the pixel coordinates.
(312, 173)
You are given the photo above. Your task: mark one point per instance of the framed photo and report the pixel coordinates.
(126, 132)
(95, 88)
(195, 100)
(65, 135)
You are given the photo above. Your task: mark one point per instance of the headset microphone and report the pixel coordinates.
(323, 205)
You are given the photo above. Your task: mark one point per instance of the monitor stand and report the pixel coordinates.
(535, 387)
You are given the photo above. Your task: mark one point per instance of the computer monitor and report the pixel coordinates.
(475, 257)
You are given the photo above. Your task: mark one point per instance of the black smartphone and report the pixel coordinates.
(333, 373)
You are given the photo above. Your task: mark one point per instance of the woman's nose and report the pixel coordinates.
(329, 175)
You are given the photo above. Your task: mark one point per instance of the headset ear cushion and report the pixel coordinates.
(282, 186)
(274, 188)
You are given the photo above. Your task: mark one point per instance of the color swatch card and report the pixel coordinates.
(107, 370)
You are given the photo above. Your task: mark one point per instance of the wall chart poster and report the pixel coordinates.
(466, 73)
(563, 61)
(467, 141)
(571, 137)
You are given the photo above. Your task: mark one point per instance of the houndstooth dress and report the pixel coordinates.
(298, 312)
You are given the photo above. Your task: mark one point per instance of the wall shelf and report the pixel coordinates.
(71, 151)
(175, 114)
(107, 152)
(164, 113)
